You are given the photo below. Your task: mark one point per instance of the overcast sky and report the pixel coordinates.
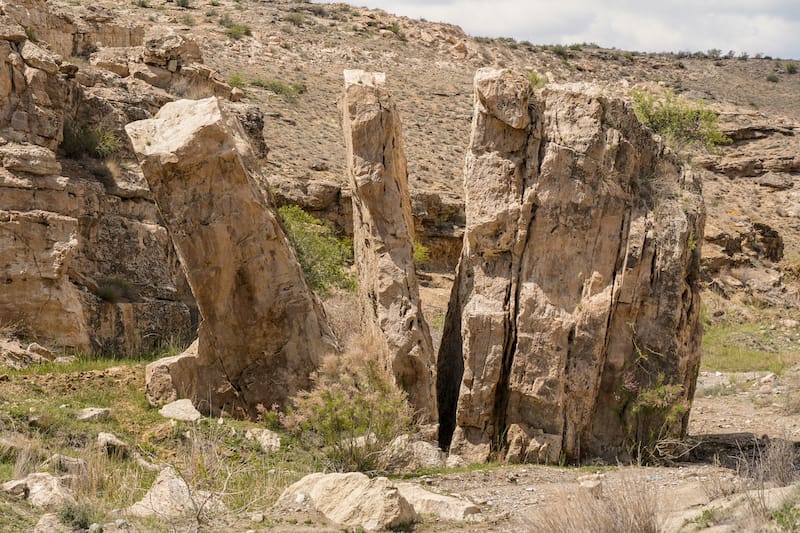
(771, 27)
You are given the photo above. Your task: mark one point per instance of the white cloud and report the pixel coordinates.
(767, 26)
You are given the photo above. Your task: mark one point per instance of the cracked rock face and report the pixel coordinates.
(263, 331)
(383, 236)
(573, 327)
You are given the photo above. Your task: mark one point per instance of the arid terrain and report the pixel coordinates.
(737, 470)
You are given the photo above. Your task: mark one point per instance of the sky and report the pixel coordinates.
(770, 27)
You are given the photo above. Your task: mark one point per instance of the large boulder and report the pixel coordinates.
(573, 324)
(263, 332)
(383, 236)
(352, 500)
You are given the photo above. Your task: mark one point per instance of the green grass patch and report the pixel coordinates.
(744, 348)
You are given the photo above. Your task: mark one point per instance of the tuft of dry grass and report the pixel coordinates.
(630, 507)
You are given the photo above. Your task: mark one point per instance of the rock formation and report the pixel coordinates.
(84, 260)
(383, 236)
(573, 323)
(262, 330)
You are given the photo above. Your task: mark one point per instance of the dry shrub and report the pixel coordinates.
(27, 461)
(354, 411)
(631, 507)
(775, 462)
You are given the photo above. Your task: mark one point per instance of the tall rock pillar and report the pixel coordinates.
(262, 332)
(573, 325)
(383, 236)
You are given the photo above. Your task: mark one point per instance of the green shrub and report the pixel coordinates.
(773, 78)
(95, 142)
(76, 515)
(31, 35)
(680, 121)
(421, 254)
(295, 18)
(354, 411)
(791, 68)
(288, 90)
(536, 80)
(237, 30)
(237, 81)
(324, 258)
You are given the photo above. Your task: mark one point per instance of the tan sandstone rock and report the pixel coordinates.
(263, 332)
(351, 499)
(383, 236)
(576, 300)
(40, 489)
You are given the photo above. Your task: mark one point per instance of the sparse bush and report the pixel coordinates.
(773, 78)
(31, 35)
(115, 290)
(630, 508)
(295, 18)
(791, 68)
(288, 90)
(536, 80)
(773, 462)
(78, 516)
(680, 121)
(237, 30)
(787, 518)
(354, 411)
(237, 81)
(183, 3)
(95, 142)
(323, 257)
(421, 254)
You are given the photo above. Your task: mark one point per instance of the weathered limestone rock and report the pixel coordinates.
(263, 332)
(40, 489)
(576, 301)
(352, 500)
(383, 236)
(170, 497)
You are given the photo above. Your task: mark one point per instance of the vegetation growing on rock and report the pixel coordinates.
(680, 121)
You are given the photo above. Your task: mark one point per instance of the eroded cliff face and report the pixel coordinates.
(383, 237)
(84, 259)
(263, 332)
(573, 323)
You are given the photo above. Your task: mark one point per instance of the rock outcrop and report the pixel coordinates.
(84, 260)
(352, 499)
(383, 236)
(263, 332)
(573, 324)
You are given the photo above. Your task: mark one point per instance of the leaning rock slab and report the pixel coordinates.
(263, 331)
(352, 500)
(383, 236)
(576, 301)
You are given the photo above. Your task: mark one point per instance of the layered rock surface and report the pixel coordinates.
(84, 259)
(383, 236)
(263, 331)
(576, 303)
